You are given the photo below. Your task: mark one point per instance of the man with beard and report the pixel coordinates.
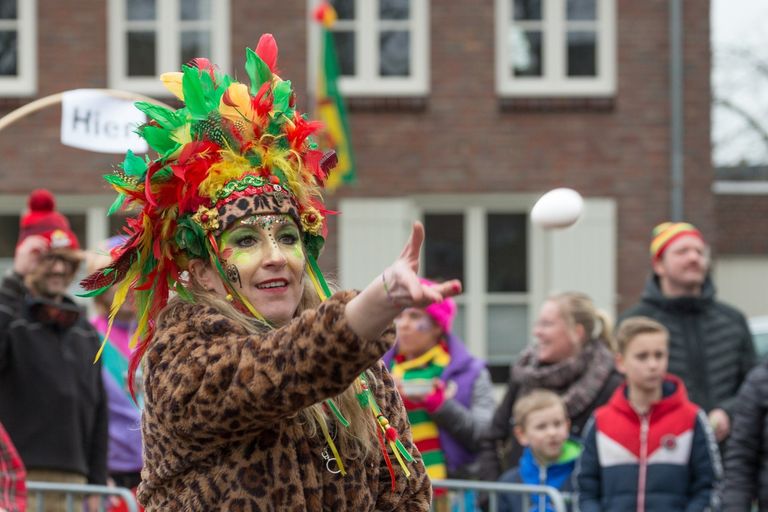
(711, 347)
(52, 399)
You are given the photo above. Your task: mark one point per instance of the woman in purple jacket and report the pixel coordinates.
(446, 390)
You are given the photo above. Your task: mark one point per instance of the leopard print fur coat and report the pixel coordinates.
(220, 426)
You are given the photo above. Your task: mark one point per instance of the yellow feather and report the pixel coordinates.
(237, 94)
(172, 82)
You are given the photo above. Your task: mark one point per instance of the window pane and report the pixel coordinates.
(444, 246)
(508, 331)
(195, 9)
(9, 227)
(195, 43)
(526, 52)
(507, 252)
(141, 54)
(8, 10)
(140, 9)
(526, 10)
(582, 10)
(394, 9)
(9, 53)
(345, 9)
(394, 53)
(582, 53)
(344, 42)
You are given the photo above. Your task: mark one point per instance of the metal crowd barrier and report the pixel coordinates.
(493, 489)
(39, 489)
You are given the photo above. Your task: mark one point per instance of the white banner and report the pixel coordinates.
(95, 121)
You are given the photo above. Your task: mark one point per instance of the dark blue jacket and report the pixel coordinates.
(557, 475)
(665, 460)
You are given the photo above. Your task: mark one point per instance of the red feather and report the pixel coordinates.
(262, 102)
(99, 279)
(267, 50)
(204, 64)
(300, 130)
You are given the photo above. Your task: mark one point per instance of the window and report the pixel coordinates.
(18, 47)
(556, 48)
(150, 37)
(508, 267)
(488, 250)
(381, 46)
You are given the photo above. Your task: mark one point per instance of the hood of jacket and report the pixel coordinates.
(673, 397)
(556, 473)
(652, 294)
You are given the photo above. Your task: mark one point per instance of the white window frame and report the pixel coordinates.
(554, 81)
(583, 257)
(366, 27)
(475, 298)
(167, 27)
(25, 81)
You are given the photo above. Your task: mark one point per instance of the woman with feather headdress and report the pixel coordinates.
(263, 391)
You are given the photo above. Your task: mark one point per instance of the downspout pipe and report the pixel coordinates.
(677, 128)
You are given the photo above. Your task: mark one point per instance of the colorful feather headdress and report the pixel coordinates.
(230, 143)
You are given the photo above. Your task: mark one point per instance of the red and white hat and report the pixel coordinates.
(42, 219)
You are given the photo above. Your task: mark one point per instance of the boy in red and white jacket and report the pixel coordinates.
(649, 448)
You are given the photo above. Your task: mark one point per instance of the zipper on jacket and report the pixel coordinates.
(643, 466)
(542, 481)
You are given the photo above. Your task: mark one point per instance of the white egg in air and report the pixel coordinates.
(558, 208)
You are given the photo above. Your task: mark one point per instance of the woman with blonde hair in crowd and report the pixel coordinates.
(572, 356)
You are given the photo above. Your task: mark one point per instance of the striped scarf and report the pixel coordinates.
(427, 366)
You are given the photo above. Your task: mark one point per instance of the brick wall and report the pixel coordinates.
(742, 224)
(459, 139)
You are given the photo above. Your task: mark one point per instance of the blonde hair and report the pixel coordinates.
(578, 309)
(533, 401)
(359, 440)
(634, 326)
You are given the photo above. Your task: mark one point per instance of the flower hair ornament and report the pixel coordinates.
(231, 150)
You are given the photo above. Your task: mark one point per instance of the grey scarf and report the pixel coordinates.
(577, 379)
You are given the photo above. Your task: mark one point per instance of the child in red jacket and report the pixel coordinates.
(13, 489)
(649, 448)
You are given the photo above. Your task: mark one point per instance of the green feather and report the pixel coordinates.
(165, 117)
(282, 96)
(116, 204)
(94, 293)
(159, 139)
(209, 91)
(257, 69)
(134, 166)
(194, 97)
(116, 179)
(253, 159)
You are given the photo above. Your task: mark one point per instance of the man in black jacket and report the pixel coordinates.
(52, 400)
(711, 347)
